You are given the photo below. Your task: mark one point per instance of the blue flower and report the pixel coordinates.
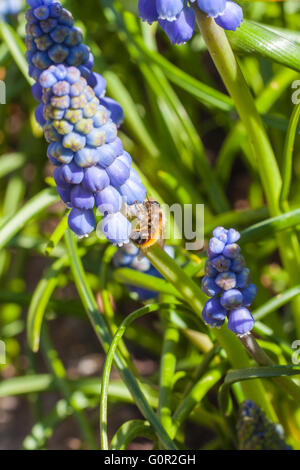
(182, 29)
(116, 228)
(92, 170)
(231, 18)
(177, 17)
(169, 9)
(148, 11)
(212, 7)
(228, 281)
(256, 432)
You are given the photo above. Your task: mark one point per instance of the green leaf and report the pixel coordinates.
(255, 39)
(104, 336)
(275, 303)
(16, 47)
(11, 162)
(241, 375)
(32, 208)
(130, 431)
(287, 160)
(106, 376)
(269, 227)
(40, 300)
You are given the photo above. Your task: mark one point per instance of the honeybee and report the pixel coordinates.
(149, 225)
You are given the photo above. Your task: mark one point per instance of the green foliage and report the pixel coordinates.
(190, 146)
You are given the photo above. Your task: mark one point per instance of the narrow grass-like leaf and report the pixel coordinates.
(106, 374)
(31, 209)
(104, 336)
(16, 48)
(11, 162)
(287, 160)
(269, 227)
(251, 374)
(40, 300)
(254, 38)
(276, 302)
(130, 431)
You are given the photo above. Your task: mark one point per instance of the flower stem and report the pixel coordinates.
(262, 152)
(259, 355)
(229, 69)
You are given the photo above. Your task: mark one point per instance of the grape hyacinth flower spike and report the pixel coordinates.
(177, 17)
(228, 281)
(80, 124)
(92, 168)
(52, 39)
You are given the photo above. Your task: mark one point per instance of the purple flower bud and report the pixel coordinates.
(169, 9)
(108, 200)
(118, 172)
(221, 263)
(240, 321)
(81, 198)
(182, 29)
(232, 299)
(34, 3)
(39, 115)
(243, 278)
(209, 286)
(231, 18)
(148, 11)
(98, 83)
(226, 281)
(231, 251)
(82, 222)
(37, 92)
(126, 158)
(216, 247)
(212, 7)
(59, 180)
(209, 269)
(221, 234)
(72, 173)
(233, 236)
(249, 294)
(116, 228)
(115, 110)
(238, 264)
(95, 179)
(86, 157)
(213, 313)
(57, 151)
(132, 192)
(65, 195)
(107, 154)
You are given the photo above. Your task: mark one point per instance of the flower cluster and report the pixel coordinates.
(129, 257)
(10, 7)
(177, 17)
(92, 168)
(80, 124)
(52, 39)
(256, 432)
(228, 281)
